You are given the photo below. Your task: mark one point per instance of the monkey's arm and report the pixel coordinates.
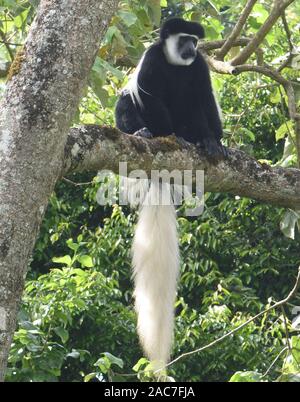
(156, 116)
(151, 86)
(209, 104)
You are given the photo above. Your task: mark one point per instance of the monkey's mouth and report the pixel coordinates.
(188, 55)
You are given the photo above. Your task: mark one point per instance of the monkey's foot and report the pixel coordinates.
(143, 132)
(214, 149)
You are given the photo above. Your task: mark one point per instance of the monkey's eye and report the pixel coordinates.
(194, 40)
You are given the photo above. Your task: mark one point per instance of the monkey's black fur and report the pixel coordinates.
(175, 98)
(178, 25)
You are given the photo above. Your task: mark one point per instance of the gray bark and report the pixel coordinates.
(47, 80)
(35, 115)
(92, 148)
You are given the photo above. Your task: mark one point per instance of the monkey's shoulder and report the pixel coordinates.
(154, 56)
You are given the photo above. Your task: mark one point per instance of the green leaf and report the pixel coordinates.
(289, 377)
(296, 349)
(103, 364)
(85, 261)
(254, 23)
(114, 360)
(80, 303)
(213, 9)
(283, 130)
(155, 11)
(110, 33)
(247, 133)
(62, 333)
(276, 96)
(21, 18)
(90, 377)
(260, 13)
(66, 260)
(72, 245)
(107, 66)
(140, 363)
(246, 376)
(128, 18)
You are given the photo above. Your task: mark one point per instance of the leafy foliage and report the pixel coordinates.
(77, 321)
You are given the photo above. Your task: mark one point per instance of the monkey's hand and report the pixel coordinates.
(143, 132)
(214, 149)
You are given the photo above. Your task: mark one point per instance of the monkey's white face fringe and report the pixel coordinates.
(156, 266)
(171, 51)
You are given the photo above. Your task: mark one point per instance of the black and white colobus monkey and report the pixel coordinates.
(169, 93)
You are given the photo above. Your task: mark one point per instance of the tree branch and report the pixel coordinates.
(287, 31)
(224, 67)
(236, 30)
(207, 46)
(264, 70)
(92, 148)
(278, 8)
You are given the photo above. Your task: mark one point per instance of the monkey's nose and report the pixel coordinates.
(188, 54)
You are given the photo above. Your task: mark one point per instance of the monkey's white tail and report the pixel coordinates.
(156, 266)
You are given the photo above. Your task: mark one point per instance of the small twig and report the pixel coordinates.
(244, 111)
(228, 334)
(236, 30)
(287, 335)
(10, 52)
(285, 122)
(264, 86)
(287, 62)
(93, 113)
(274, 362)
(287, 31)
(222, 67)
(264, 70)
(11, 43)
(76, 184)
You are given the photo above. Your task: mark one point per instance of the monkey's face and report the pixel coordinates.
(181, 49)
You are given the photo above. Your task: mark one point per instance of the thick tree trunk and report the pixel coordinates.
(40, 101)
